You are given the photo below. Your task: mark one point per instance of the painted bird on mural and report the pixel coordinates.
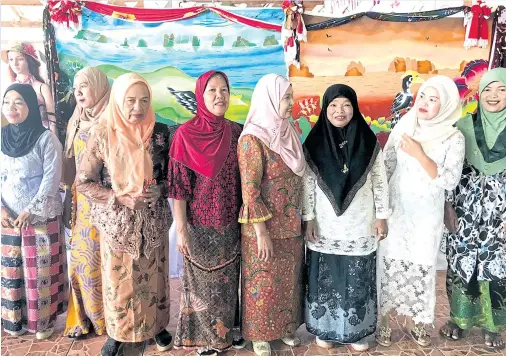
(404, 99)
(185, 98)
(188, 101)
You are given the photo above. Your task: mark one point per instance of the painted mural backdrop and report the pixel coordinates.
(385, 62)
(172, 54)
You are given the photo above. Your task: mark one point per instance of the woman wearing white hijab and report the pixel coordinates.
(271, 162)
(424, 157)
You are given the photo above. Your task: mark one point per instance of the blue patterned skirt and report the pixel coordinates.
(341, 302)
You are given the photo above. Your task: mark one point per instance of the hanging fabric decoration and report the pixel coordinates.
(59, 82)
(497, 56)
(65, 12)
(294, 31)
(475, 21)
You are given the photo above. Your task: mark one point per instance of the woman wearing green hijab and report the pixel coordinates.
(476, 218)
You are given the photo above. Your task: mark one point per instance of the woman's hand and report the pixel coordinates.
(380, 229)
(23, 220)
(152, 195)
(131, 202)
(183, 242)
(7, 219)
(264, 245)
(310, 231)
(451, 220)
(67, 209)
(411, 147)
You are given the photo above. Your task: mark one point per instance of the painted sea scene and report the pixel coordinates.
(171, 56)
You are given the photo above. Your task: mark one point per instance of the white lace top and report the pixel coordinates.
(407, 257)
(417, 201)
(32, 181)
(352, 232)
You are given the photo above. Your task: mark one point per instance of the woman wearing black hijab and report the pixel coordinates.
(345, 210)
(33, 264)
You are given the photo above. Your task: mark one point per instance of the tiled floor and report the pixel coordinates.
(61, 346)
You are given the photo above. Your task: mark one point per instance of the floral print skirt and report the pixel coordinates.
(210, 289)
(272, 292)
(341, 296)
(136, 293)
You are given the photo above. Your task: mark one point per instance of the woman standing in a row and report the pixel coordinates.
(34, 270)
(272, 164)
(476, 218)
(123, 172)
(345, 209)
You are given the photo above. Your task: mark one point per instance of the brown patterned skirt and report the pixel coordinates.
(272, 292)
(136, 293)
(210, 284)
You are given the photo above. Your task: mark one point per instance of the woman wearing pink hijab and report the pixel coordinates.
(272, 164)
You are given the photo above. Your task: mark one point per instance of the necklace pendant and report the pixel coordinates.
(345, 169)
(342, 144)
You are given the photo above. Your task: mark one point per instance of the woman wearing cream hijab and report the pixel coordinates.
(92, 90)
(424, 157)
(123, 172)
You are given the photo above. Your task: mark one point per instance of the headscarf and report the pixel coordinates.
(85, 119)
(19, 139)
(341, 157)
(128, 158)
(485, 132)
(431, 133)
(493, 123)
(265, 123)
(202, 143)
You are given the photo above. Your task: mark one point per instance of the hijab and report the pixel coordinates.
(265, 123)
(85, 119)
(431, 133)
(485, 132)
(19, 139)
(202, 143)
(128, 157)
(341, 157)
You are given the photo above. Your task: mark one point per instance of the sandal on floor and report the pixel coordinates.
(238, 343)
(110, 347)
(16, 333)
(451, 331)
(384, 336)
(291, 340)
(493, 340)
(206, 351)
(420, 335)
(262, 348)
(163, 341)
(44, 335)
(360, 346)
(324, 343)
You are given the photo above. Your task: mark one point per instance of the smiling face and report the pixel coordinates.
(136, 103)
(216, 95)
(14, 107)
(493, 97)
(340, 112)
(83, 92)
(428, 104)
(286, 104)
(18, 62)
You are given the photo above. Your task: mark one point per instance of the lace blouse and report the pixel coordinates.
(31, 182)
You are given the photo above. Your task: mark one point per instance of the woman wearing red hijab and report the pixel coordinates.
(204, 182)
